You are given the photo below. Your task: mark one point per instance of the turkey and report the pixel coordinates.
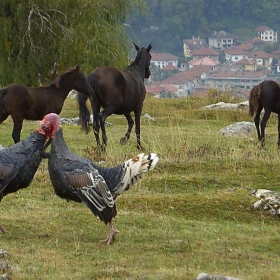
(79, 179)
(19, 162)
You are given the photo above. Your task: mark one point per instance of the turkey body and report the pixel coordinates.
(81, 180)
(19, 163)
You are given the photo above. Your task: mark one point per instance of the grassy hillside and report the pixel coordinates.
(189, 215)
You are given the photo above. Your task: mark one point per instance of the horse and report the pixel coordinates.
(117, 92)
(30, 103)
(265, 95)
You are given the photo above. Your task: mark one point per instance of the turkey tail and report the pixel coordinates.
(254, 99)
(134, 169)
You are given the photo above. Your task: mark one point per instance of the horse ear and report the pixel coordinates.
(149, 47)
(57, 82)
(136, 47)
(77, 68)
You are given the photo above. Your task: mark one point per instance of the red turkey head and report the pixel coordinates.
(49, 125)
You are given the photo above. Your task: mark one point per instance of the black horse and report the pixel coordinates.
(27, 103)
(117, 92)
(265, 96)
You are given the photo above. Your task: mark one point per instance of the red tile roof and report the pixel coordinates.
(221, 34)
(235, 51)
(195, 43)
(259, 54)
(207, 61)
(262, 28)
(170, 67)
(246, 61)
(205, 52)
(238, 74)
(163, 56)
(157, 87)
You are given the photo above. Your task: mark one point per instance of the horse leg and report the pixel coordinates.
(96, 127)
(16, 130)
(278, 143)
(257, 122)
(263, 125)
(130, 123)
(137, 114)
(102, 116)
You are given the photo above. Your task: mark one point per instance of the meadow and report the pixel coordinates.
(189, 215)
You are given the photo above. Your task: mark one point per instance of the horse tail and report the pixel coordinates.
(3, 91)
(254, 99)
(84, 113)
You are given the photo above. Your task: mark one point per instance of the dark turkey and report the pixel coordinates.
(79, 179)
(19, 162)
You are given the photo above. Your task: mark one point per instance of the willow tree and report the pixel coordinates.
(39, 39)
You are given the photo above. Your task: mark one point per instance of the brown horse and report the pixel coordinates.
(265, 96)
(117, 92)
(29, 103)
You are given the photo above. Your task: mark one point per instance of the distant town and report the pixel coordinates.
(220, 62)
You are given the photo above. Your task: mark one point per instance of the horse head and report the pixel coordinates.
(144, 57)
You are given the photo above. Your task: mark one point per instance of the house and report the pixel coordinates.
(257, 43)
(186, 81)
(204, 61)
(247, 64)
(235, 54)
(190, 45)
(163, 59)
(263, 59)
(158, 88)
(221, 40)
(278, 68)
(231, 78)
(267, 34)
(205, 52)
(276, 54)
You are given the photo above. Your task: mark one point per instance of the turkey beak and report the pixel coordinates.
(47, 144)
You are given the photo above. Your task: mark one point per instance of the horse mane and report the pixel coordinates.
(56, 82)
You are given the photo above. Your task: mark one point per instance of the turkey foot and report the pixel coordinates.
(112, 233)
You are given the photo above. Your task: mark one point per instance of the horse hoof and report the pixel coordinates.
(123, 140)
(102, 148)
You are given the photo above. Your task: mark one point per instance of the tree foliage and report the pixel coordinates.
(42, 38)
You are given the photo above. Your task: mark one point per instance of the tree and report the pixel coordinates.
(41, 38)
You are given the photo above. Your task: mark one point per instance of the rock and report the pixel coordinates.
(205, 276)
(243, 129)
(223, 105)
(149, 118)
(269, 201)
(5, 268)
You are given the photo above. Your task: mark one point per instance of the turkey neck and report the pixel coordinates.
(58, 145)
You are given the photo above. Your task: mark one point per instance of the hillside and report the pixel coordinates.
(167, 23)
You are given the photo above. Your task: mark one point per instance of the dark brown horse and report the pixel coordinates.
(265, 96)
(117, 92)
(29, 103)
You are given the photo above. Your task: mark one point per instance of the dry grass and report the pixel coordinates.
(188, 215)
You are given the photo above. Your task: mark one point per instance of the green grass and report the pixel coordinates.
(189, 215)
